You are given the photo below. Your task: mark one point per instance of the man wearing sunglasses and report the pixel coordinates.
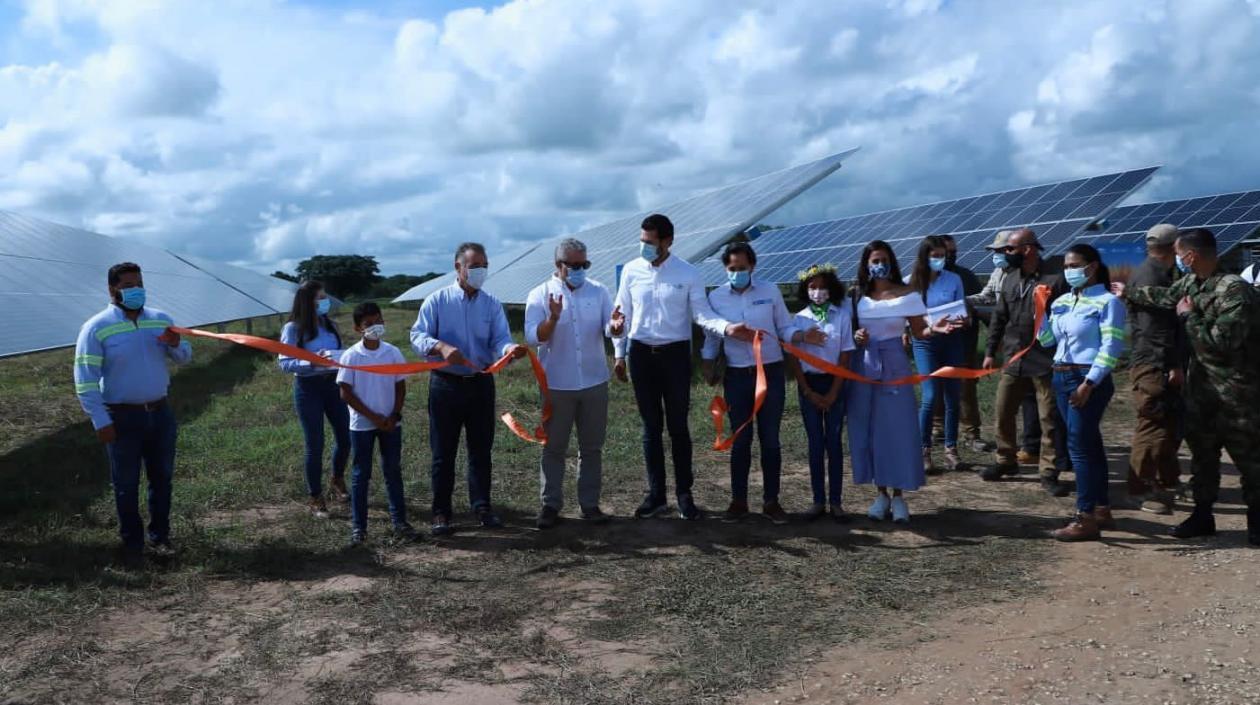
(1011, 330)
(567, 318)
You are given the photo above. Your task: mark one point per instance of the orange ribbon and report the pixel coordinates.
(718, 407)
(539, 435)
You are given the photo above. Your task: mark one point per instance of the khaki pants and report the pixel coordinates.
(1010, 394)
(1153, 461)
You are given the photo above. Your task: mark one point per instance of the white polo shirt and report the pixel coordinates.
(660, 303)
(760, 306)
(574, 357)
(839, 329)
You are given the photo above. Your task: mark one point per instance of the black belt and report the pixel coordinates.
(146, 406)
(459, 378)
(752, 370)
(658, 349)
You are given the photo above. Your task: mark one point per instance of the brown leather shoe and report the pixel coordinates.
(1083, 528)
(1102, 515)
(1023, 457)
(738, 510)
(774, 513)
(317, 508)
(339, 490)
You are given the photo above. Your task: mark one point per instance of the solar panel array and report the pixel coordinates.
(1232, 217)
(1057, 211)
(701, 225)
(53, 278)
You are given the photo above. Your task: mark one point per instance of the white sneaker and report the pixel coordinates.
(879, 508)
(900, 512)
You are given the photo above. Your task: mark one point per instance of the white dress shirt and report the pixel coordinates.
(660, 303)
(574, 356)
(760, 306)
(839, 330)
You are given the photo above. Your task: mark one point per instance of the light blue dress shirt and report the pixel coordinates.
(1089, 328)
(476, 325)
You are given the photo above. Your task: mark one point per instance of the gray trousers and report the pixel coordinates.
(588, 409)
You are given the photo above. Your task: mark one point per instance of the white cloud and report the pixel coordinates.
(266, 132)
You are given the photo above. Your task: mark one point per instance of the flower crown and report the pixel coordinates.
(807, 274)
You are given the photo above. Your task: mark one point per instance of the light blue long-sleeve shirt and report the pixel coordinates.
(945, 289)
(476, 325)
(324, 339)
(1089, 328)
(120, 361)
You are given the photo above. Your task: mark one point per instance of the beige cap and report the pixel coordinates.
(1000, 240)
(1163, 235)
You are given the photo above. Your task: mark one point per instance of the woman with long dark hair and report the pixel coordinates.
(820, 393)
(884, 434)
(1087, 328)
(940, 289)
(315, 392)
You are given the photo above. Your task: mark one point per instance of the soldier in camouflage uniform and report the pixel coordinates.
(1221, 315)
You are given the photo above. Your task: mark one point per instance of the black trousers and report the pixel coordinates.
(661, 376)
(461, 404)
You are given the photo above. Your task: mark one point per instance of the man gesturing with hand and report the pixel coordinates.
(659, 297)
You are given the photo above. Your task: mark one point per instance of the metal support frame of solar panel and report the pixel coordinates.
(701, 224)
(54, 276)
(1057, 211)
(1232, 217)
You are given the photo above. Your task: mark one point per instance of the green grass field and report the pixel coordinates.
(268, 604)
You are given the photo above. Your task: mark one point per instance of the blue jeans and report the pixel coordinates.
(930, 355)
(825, 445)
(146, 437)
(362, 443)
(461, 404)
(317, 397)
(739, 385)
(1084, 437)
(661, 377)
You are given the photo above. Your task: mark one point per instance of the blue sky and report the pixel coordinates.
(263, 132)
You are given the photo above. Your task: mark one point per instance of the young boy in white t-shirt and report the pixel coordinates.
(375, 402)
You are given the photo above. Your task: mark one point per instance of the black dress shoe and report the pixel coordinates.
(1055, 488)
(548, 517)
(1253, 526)
(687, 508)
(651, 507)
(993, 473)
(1199, 523)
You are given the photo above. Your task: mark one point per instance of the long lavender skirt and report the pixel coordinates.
(883, 420)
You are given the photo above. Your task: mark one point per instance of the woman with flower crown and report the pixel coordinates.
(883, 418)
(820, 393)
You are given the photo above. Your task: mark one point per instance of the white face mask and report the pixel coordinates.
(477, 277)
(818, 297)
(374, 332)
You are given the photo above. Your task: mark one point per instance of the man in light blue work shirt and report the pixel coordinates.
(467, 328)
(121, 378)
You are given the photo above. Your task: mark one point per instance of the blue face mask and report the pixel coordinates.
(1182, 266)
(133, 298)
(477, 277)
(999, 260)
(937, 264)
(1076, 277)
(648, 251)
(878, 271)
(323, 306)
(576, 277)
(739, 280)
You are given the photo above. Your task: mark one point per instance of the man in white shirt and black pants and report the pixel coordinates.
(659, 297)
(567, 318)
(760, 306)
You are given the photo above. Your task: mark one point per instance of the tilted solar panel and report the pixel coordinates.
(701, 224)
(1058, 212)
(1232, 217)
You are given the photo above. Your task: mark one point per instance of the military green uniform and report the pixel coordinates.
(1222, 395)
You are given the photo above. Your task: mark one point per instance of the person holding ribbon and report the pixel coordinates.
(660, 296)
(883, 423)
(820, 393)
(467, 328)
(567, 318)
(315, 393)
(1086, 326)
(759, 305)
(121, 379)
(942, 294)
